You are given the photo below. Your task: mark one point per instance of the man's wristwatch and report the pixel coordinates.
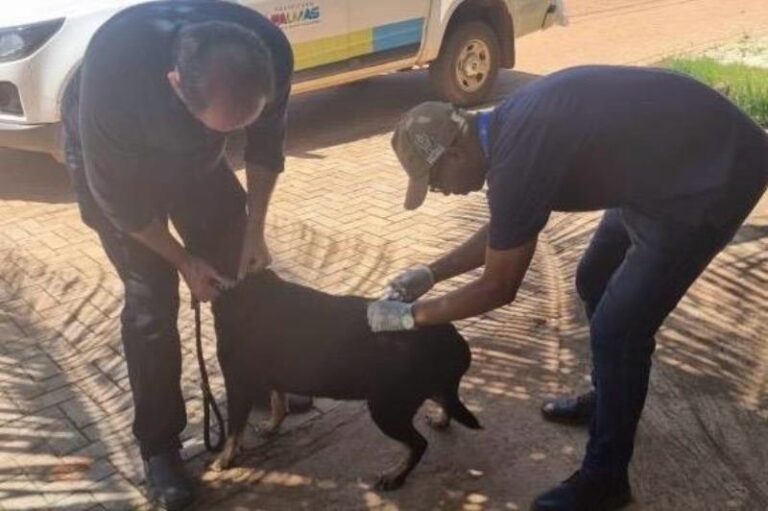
(406, 320)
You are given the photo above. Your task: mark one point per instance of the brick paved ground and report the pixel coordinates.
(337, 224)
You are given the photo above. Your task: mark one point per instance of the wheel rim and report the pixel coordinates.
(473, 65)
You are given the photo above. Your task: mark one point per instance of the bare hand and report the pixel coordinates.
(204, 282)
(255, 255)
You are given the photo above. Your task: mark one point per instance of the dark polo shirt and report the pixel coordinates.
(599, 137)
(139, 142)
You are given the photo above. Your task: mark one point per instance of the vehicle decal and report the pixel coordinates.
(396, 35)
(295, 15)
(358, 43)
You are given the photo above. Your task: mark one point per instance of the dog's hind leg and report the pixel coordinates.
(439, 420)
(279, 405)
(453, 408)
(394, 416)
(238, 408)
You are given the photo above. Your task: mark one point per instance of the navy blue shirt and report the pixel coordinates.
(139, 141)
(599, 137)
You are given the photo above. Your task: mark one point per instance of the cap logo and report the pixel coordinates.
(430, 149)
(457, 118)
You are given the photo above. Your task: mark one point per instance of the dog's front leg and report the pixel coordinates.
(239, 407)
(231, 448)
(279, 405)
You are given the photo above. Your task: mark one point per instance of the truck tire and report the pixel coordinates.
(468, 64)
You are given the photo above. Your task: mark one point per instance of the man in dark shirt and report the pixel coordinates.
(677, 167)
(161, 86)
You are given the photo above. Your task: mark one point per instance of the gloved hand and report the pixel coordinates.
(390, 316)
(411, 284)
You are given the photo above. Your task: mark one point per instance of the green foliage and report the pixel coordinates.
(746, 86)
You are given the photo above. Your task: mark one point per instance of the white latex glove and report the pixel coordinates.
(411, 284)
(390, 316)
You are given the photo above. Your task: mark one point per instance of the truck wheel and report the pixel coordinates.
(466, 68)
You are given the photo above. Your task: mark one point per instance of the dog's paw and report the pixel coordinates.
(225, 460)
(220, 464)
(389, 482)
(439, 421)
(267, 429)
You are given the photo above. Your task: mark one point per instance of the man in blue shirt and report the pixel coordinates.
(676, 166)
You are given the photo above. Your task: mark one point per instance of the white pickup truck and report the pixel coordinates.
(464, 42)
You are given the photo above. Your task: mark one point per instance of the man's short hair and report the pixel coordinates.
(226, 57)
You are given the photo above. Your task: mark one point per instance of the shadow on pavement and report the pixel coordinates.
(316, 120)
(361, 110)
(33, 177)
(62, 391)
(365, 109)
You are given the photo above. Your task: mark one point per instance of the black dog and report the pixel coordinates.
(290, 338)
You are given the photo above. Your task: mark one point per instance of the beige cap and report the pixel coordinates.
(420, 139)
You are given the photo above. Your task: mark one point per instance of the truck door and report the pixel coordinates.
(317, 29)
(388, 30)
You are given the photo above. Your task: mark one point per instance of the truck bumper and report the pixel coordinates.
(556, 14)
(41, 138)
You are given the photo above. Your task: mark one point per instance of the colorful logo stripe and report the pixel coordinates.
(397, 35)
(356, 44)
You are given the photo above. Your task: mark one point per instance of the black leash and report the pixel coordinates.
(209, 403)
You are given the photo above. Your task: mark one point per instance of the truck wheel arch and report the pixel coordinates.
(57, 151)
(497, 15)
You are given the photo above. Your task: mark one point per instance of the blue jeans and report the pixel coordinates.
(634, 272)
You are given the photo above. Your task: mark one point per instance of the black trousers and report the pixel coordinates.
(210, 217)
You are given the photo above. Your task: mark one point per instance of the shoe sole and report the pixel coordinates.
(620, 502)
(156, 501)
(568, 421)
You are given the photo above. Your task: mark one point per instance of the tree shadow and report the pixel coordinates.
(59, 396)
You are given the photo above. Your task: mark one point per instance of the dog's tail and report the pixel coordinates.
(456, 410)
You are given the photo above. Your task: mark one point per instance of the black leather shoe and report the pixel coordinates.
(169, 484)
(585, 492)
(570, 410)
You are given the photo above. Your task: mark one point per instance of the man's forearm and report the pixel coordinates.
(499, 284)
(158, 238)
(477, 297)
(255, 253)
(468, 256)
(261, 182)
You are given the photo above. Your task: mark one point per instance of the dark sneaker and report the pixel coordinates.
(584, 491)
(169, 484)
(570, 410)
